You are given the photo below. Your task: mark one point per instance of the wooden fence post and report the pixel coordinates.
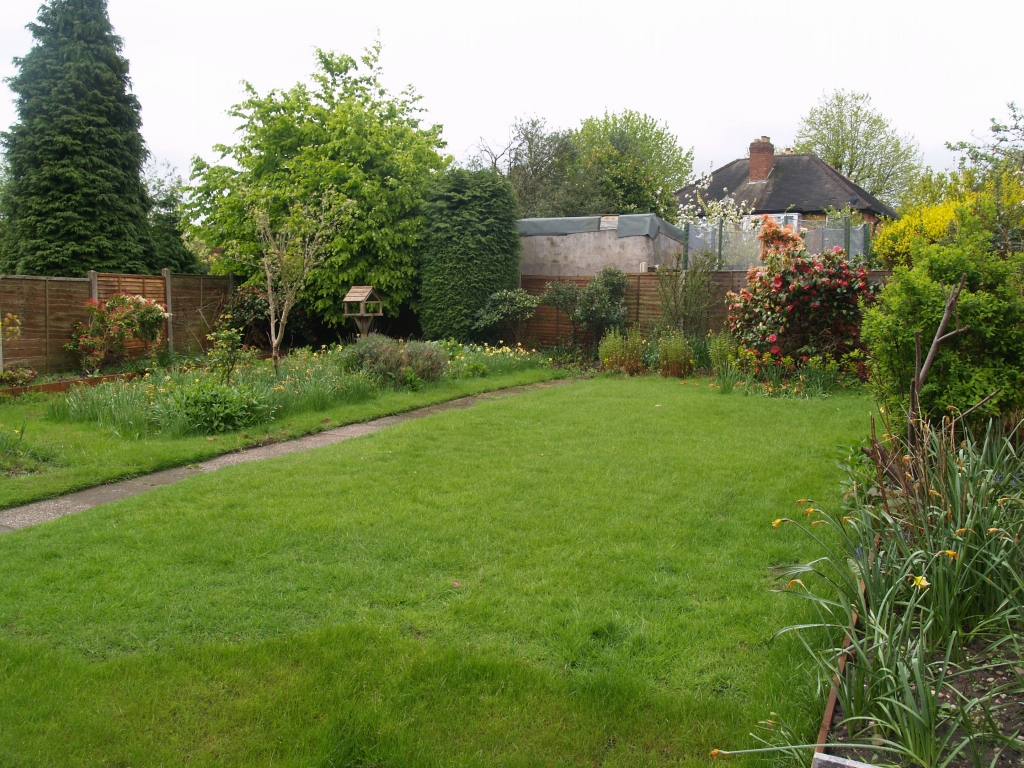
(167, 299)
(721, 232)
(94, 285)
(46, 323)
(686, 246)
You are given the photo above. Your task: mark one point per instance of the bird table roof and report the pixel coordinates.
(360, 293)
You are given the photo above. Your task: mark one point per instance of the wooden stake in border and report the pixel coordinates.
(167, 299)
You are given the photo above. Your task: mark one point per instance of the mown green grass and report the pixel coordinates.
(571, 576)
(86, 455)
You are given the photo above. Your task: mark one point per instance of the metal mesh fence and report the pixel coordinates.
(737, 248)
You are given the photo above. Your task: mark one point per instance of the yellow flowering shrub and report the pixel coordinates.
(931, 224)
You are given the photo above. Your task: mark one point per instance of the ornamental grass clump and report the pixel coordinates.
(611, 351)
(627, 352)
(674, 355)
(923, 570)
(17, 456)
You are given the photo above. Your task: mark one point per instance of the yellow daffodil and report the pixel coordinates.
(777, 523)
(951, 554)
(921, 582)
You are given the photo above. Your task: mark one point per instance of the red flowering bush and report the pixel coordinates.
(111, 325)
(797, 305)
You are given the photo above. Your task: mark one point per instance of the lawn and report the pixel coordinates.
(572, 576)
(88, 455)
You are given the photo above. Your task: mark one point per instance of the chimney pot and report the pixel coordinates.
(762, 159)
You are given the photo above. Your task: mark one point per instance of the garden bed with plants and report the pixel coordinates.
(232, 399)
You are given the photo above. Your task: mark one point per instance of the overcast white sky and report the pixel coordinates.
(718, 72)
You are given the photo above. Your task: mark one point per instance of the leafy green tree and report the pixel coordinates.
(619, 163)
(346, 133)
(166, 194)
(845, 131)
(470, 251)
(1004, 150)
(75, 199)
(636, 161)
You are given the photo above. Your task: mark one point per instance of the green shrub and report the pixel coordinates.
(111, 325)
(387, 359)
(380, 356)
(505, 311)
(427, 361)
(601, 304)
(798, 305)
(470, 251)
(207, 407)
(633, 351)
(970, 366)
(684, 292)
(610, 351)
(721, 351)
(674, 355)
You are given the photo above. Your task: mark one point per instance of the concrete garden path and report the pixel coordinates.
(50, 509)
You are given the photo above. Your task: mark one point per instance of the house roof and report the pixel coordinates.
(798, 183)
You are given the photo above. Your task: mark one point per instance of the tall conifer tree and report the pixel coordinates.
(75, 198)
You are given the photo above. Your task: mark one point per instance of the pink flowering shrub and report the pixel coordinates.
(796, 305)
(111, 325)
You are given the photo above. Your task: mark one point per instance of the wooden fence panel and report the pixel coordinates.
(196, 303)
(48, 308)
(148, 286)
(548, 327)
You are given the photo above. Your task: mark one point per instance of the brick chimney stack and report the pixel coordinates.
(762, 159)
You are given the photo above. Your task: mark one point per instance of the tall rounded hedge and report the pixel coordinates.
(470, 250)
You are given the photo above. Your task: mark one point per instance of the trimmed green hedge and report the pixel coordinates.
(470, 251)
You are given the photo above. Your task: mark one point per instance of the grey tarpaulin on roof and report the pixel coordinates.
(567, 225)
(630, 225)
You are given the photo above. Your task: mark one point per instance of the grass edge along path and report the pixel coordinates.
(574, 576)
(93, 456)
(34, 513)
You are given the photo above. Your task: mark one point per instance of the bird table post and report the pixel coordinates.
(363, 304)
